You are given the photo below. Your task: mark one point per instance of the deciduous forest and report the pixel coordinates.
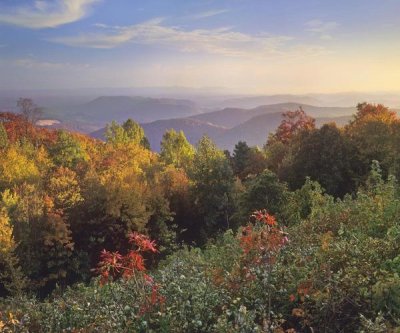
(300, 235)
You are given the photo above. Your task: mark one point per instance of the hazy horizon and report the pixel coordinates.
(262, 47)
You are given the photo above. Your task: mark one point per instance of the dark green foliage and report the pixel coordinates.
(212, 190)
(326, 156)
(263, 192)
(247, 160)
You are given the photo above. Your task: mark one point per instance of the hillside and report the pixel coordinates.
(255, 131)
(230, 117)
(102, 110)
(143, 109)
(248, 102)
(168, 230)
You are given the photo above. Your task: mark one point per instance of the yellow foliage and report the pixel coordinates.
(15, 168)
(43, 160)
(129, 161)
(6, 230)
(64, 188)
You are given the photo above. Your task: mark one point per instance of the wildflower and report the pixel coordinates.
(134, 261)
(142, 242)
(110, 260)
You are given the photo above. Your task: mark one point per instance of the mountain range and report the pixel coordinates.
(225, 118)
(96, 113)
(228, 126)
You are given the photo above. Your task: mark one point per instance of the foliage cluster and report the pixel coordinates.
(72, 208)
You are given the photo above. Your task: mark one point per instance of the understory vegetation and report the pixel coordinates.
(302, 235)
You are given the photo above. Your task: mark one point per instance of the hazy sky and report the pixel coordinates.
(249, 46)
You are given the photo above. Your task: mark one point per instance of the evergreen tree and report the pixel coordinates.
(247, 160)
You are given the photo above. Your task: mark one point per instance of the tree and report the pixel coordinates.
(175, 185)
(3, 137)
(16, 167)
(176, 150)
(394, 157)
(54, 249)
(326, 156)
(212, 188)
(293, 123)
(373, 132)
(278, 146)
(263, 192)
(115, 133)
(128, 132)
(371, 112)
(117, 196)
(135, 133)
(42, 236)
(240, 157)
(12, 279)
(18, 127)
(68, 150)
(247, 160)
(64, 188)
(29, 110)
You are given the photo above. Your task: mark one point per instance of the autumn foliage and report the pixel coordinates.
(113, 266)
(113, 237)
(293, 123)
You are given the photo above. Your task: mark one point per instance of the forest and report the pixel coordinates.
(300, 235)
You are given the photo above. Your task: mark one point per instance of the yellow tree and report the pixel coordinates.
(11, 278)
(16, 168)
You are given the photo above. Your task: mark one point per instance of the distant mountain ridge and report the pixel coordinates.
(254, 101)
(146, 109)
(102, 110)
(255, 131)
(230, 125)
(230, 117)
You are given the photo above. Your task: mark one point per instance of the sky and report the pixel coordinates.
(243, 46)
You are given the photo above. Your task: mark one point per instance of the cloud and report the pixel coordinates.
(322, 29)
(209, 13)
(46, 14)
(37, 64)
(223, 40)
(325, 37)
(320, 26)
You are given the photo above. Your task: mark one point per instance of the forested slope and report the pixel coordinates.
(299, 236)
